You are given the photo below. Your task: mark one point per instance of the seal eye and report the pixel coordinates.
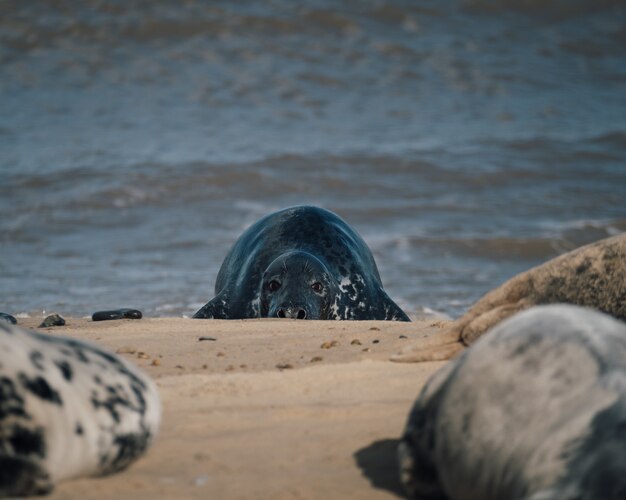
(273, 285)
(317, 287)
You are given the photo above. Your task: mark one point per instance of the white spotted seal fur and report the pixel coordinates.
(68, 409)
(535, 410)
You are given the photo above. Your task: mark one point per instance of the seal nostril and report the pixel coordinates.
(301, 314)
(280, 313)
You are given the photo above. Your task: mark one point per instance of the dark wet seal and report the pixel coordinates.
(117, 314)
(8, 318)
(300, 263)
(52, 320)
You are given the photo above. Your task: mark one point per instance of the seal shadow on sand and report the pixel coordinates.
(379, 464)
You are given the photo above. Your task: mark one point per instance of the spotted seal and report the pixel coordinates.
(303, 263)
(68, 409)
(535, 410)
(592, 276)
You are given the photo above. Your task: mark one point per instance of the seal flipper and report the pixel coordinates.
(216, 308)
(391, 309)
(22, 477)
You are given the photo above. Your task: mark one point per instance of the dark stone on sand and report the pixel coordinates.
(8, 318)
(206, 338)
(52, 320)
(116, 314)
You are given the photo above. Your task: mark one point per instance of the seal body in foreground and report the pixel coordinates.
(591, 276)
(68, 409)
(535, 410)
(304, 263)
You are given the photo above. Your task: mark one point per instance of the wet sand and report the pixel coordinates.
(270, 409)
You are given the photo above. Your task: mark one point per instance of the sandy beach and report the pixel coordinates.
(279, 409)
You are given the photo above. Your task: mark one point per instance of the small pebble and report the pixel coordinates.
(367, 349)
(201, 457)
(316, 359)
(52, 320)
(116, 314)
(205, 366)
(230, 368)
(126, 350)
(284, 366)
(156, 362)
(375, 341)
(375, 328)
(403, 337)
(206, 338)
(142, 355)
(243, 366)
(329, 344)
(180, 366)
(8, 318)
(355, 342)
(220, 354)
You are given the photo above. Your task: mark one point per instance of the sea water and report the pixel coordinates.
(466, 141)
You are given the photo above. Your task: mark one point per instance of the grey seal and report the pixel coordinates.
(535, 410)
(68, 409)
(304, 263)
(592, 276)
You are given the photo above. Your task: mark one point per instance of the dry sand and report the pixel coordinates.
(271, 409)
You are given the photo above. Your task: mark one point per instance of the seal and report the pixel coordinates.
(535, 410)
(68, 409)
(591, 276)
(304, 263)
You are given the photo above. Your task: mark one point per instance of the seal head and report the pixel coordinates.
(297, 285)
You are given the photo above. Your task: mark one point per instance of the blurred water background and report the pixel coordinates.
(465, 140)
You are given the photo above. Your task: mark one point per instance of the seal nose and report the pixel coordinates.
(291, 312)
